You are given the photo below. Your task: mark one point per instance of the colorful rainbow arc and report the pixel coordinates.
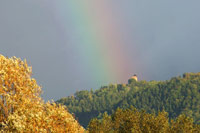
(99, 35)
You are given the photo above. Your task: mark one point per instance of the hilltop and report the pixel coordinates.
(179, 95)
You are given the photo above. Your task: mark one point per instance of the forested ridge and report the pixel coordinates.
(179, 95)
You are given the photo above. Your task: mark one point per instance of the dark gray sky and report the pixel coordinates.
(161, 38)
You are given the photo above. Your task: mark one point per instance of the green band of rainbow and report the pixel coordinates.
(98, 38)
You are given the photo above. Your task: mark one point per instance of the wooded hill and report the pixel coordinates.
(179, 95)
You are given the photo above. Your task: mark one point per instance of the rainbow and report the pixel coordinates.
(98, 37)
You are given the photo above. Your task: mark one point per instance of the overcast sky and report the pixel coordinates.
(162, 39)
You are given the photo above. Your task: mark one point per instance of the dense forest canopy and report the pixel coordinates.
(179, 95)
(134, 121)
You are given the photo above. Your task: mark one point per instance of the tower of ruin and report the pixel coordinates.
(134, 77)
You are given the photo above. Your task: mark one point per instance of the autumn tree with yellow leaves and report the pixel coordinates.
(21, 107)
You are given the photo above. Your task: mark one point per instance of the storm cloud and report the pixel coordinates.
(161, 37)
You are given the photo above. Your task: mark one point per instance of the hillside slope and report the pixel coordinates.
(179, 95)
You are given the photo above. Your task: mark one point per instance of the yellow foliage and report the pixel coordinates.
(22, 109)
